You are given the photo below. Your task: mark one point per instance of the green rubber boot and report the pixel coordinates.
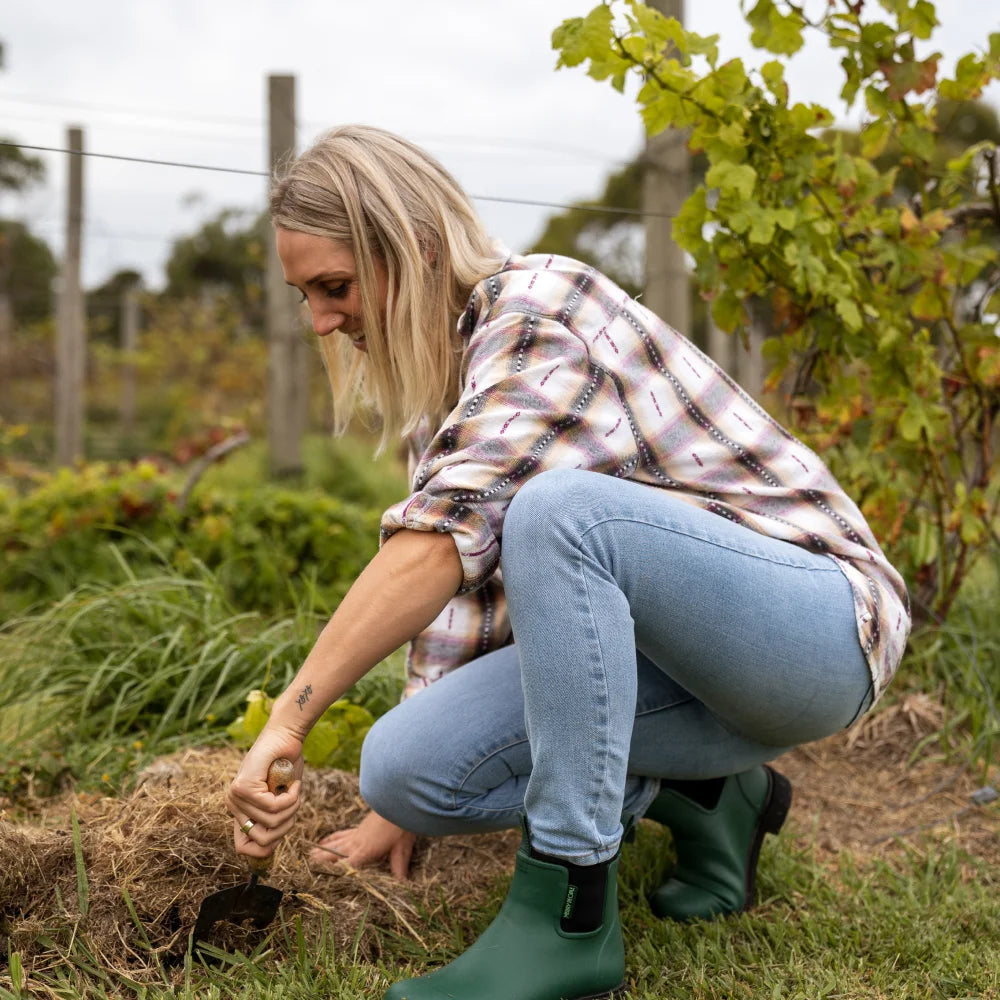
(525, 955)
(717, 848)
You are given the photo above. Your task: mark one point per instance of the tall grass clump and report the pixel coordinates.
(116, 672)
(958, 662)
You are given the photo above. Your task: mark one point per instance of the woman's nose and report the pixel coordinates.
(326, 321)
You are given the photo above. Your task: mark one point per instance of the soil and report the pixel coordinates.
(875, 791)
(890, 784)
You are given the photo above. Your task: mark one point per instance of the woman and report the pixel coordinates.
(686, 593)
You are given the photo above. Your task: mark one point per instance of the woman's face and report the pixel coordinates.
(326, 274)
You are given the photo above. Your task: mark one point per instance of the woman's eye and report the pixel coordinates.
(337, 291)
(304, 297)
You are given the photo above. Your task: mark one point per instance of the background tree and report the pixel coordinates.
(104, 305)
(883, 284)
(20, 254)
(227, 256)
(610, 238)
(18, 170)
(32, 269)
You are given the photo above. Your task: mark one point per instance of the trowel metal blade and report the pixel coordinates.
(252, 901)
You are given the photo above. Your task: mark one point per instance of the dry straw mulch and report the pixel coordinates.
(169, 845)
(874, 791)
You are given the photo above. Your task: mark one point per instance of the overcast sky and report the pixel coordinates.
(472, 81)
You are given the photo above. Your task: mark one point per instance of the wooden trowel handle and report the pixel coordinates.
(279, 777)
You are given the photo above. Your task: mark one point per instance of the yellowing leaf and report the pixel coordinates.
(874, 138)
(728, 311)
(762, 230)
(320, 744)
(774, 76)
(785, 218)
(690, 220)
(937, 221)
(907, 219)
(928, 304)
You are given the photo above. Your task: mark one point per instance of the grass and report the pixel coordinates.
(115, 674)
(922, 929)
(959, 663)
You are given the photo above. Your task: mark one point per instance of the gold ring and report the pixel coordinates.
(247, 826)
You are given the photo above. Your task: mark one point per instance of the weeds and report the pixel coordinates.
(116, 673)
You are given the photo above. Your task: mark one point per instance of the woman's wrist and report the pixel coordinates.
(289, 717)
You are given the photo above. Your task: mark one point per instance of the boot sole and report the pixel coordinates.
(771, 820)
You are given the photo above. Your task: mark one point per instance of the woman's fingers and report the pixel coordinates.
(399, 856)
(260, 811)
(329, 852)
(371, 841)
(262, 806)
(260, 840)
(342, 845)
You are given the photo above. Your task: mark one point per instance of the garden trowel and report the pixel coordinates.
(251, 901)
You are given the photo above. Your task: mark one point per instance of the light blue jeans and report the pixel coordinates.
(653, 640)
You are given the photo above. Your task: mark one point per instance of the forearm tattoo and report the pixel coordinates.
(304, 697)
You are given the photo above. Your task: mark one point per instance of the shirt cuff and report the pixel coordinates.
(478, 547)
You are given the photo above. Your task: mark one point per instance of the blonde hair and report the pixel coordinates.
(388, 200)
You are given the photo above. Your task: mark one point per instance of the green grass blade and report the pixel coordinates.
(82, 883)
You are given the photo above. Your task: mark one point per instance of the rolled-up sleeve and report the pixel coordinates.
(477, 543)
(532, 399)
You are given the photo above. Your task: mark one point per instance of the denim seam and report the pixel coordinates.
(832, 568)
(479, 763)
(663, 708)
(605, 746)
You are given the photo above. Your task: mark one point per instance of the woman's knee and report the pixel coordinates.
(545, 502)
(380, 781)
(402, 775)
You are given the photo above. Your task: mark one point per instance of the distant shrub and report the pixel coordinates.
(266, 544)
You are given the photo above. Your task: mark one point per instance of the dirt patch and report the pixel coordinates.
(151, 858)
(887, 785)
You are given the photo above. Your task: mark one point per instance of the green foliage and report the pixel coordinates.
(19, 170)
(334, 741)
(342, 467)
(28, 268)
(958, 662)
(194, 370)
(104, 306)
(119, 672)
(884, 285)
(266, 545)
(228, 254)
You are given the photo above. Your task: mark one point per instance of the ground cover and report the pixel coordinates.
(883, 884)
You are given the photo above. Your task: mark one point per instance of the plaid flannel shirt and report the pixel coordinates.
(562, 369)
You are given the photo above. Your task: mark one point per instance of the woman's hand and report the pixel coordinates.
(249, 798)
(371, 840)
